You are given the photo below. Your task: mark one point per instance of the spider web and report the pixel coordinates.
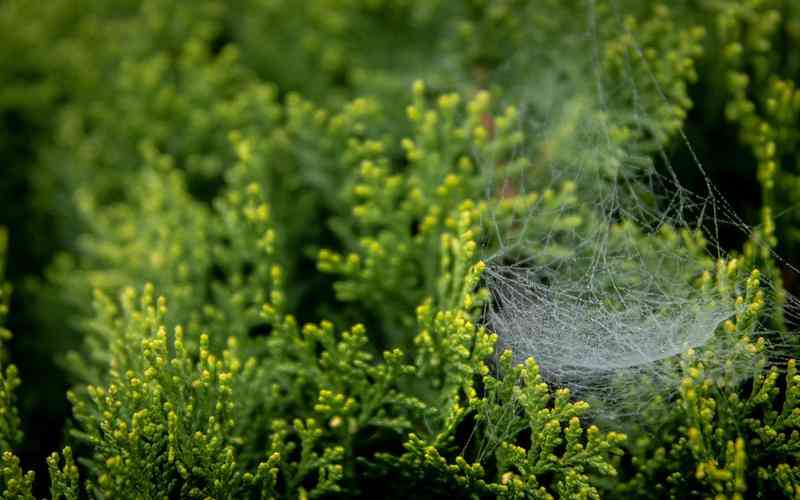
(598, 279)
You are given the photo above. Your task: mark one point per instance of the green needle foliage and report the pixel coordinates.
(10, 433)
(265, 241)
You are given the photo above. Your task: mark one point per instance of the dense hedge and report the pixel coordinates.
(248, 243)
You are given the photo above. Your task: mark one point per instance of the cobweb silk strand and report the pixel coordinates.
(601, 287)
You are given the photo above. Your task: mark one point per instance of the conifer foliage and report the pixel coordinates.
(400, 248)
